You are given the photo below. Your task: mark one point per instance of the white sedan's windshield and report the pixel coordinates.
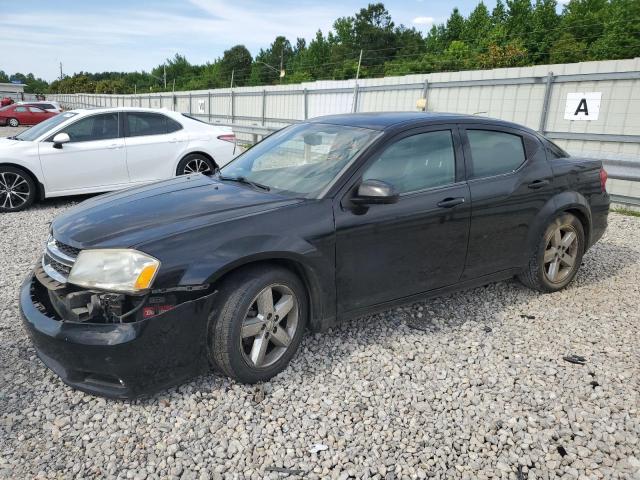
(302, 159)
(43, 127)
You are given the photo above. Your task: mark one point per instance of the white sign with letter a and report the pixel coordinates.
(582, 106)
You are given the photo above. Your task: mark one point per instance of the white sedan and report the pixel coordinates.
(100, 150)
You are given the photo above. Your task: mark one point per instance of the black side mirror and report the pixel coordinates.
(375, 192)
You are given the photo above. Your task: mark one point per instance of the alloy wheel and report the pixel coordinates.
(13, 122)
(197, 165)
(269, 326)
(561, 253)
(14, 190)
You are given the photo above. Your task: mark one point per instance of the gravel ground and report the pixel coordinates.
(10, 131)
(471, 385)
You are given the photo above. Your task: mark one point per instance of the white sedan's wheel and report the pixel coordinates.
(196, 163)
(17, 189)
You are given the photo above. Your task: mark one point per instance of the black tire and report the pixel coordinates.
(237, 297)
(539, 273)
(196, 163)
(17, 189)
(13, 122)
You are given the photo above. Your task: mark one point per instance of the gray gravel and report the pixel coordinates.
(472, 385)
(10, 131)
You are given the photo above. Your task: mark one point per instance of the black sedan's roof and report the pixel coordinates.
(384, 120)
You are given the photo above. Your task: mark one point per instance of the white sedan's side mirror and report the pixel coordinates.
(59, 139)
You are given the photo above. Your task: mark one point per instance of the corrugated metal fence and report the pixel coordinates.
(532, 96)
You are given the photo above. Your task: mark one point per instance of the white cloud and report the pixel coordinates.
(424, 20)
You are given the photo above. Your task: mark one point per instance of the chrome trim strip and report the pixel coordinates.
(49, 270)
(58, 255)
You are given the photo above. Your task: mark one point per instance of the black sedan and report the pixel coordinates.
(324, 220)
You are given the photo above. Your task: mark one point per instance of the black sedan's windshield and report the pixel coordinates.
(300, 160)
(41, 128)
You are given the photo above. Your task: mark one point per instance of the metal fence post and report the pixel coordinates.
(264, 106)
(425, 93)
(306, 104)
(233, 106)
(355, 99)
(545, 103)
(189, 103)
(209, 104)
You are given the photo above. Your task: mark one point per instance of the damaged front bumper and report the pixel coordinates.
(119, 360)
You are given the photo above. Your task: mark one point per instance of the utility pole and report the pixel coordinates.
(232, 73)
(354, 105)
(281, 62)
(61, 76)
(165, 76)
(359, 62)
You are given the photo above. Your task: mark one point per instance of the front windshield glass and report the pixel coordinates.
(302, 159)
(43, 127)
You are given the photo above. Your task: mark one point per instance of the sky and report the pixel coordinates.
(129, 35)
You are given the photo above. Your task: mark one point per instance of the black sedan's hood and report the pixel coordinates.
(140, 215)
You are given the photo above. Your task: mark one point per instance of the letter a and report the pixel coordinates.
(582, 107)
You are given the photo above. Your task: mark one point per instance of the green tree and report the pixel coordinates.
(544, 30)
(585, 19)
(498, 14)
(477, 27)
(568, 50)
(455, 26)
(621, 34)
(518, 20)
(236, 60)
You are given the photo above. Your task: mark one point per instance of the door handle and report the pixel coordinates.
(173, 140)
(114, 146)
(451, 202)
(538, 184)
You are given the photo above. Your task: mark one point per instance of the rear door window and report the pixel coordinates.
(143, 124)
(554, 151)
(494, 152)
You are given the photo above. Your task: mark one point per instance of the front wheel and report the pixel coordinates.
(195, 163)
(13, 122)
(17, 189)
(258, 323)
(555, 261)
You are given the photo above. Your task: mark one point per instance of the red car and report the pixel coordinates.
(15, 115)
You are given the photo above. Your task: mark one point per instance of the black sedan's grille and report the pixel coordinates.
(67, 249)
(57, 266)
(58, 260)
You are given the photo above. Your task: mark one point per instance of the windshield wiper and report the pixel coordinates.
(246, 181)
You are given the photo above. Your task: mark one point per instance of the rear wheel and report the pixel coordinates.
(17, 189)
(13, 122)
(258, 324)
(555, 262)
(196, 163)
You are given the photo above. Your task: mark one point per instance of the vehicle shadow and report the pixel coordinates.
(61, 202)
